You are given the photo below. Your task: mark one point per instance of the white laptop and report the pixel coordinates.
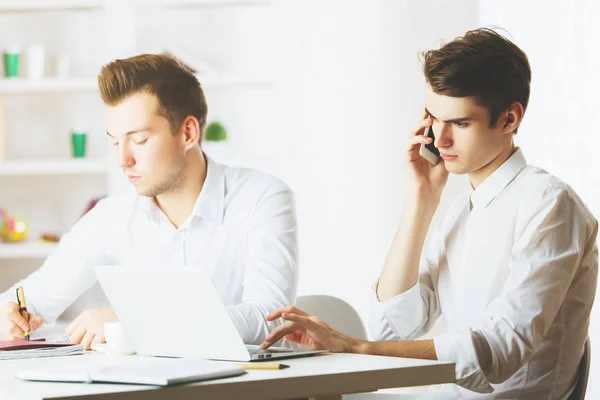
(176, 312)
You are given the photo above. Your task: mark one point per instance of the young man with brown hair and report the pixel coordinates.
(238, 224)
(512, 269)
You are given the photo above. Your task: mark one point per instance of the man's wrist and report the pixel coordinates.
(360, 346)
(423, 198)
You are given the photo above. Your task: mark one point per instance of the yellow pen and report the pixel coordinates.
(23, 307)
(263, 366)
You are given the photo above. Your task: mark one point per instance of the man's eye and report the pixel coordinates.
(115, 144)
(140, 142)
(461, 124)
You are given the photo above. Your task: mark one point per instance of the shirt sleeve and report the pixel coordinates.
(270, 277)
(414, 312)
(545, 258)
(67, 273)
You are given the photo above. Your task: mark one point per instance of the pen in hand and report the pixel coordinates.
(23, 307)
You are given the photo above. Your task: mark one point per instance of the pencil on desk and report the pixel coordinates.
(263, 366)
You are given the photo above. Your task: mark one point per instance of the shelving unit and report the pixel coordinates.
(66, 5)
(117, 16)
(49, 85)
(199, 3)
(16, 86)
(49, 5)
(26, 250)
(54, 167)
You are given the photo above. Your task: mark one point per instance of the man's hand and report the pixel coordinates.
(308, 330)
(88, 327)
(13, 325)
(423, 177)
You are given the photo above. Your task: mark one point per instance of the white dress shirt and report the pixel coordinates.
(513, 272)
(242, 230)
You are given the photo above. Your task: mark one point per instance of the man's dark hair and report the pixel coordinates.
(482, 64)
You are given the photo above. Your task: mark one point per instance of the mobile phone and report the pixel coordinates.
(429, 151)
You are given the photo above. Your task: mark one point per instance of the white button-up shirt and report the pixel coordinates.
(242, 230)
(513, 271)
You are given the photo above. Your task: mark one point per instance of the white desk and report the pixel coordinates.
(325, 376)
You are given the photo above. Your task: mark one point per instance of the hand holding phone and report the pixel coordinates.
(429, 151)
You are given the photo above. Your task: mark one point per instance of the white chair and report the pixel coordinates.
(583, 372)
(342, 317)
(338, 314)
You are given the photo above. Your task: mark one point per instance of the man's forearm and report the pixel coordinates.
(401, 268)
(421, 349)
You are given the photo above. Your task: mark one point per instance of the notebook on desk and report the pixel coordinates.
(136, 370)
(19, 349)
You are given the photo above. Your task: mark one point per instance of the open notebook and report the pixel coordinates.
(17, 349)
(136, 370)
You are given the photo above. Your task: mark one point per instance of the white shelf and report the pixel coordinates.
(62, 5)
(54, 167)
(198, 3)
(53, 85)
(217, 81)
(48, 85)
(48, 5)
(26, 250)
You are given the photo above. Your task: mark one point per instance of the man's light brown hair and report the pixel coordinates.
(482, 64)
(178, 91)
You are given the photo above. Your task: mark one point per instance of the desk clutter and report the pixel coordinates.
(19, 349)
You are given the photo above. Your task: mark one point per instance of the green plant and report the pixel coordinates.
(215, 132)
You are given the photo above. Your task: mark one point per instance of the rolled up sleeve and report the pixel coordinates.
(414, 312)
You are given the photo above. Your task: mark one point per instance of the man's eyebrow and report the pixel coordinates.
(453, 120)
(130, 132)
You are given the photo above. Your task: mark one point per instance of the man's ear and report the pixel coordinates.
(191, 131)
(514, 116)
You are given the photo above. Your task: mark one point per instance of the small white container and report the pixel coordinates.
(63, 66)
(35, 62)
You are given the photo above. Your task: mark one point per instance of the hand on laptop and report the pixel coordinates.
(308, 330)
(88, 327)
(12, 323)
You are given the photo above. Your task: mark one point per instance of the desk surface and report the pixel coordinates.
(326, 375)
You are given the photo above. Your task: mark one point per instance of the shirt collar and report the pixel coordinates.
(210, 202)
(498, 180)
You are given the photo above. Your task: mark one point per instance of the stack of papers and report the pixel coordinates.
(19, 349)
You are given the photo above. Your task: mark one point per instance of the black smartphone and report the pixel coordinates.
(429, 151)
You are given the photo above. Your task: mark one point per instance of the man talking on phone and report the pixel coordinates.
(513, 267)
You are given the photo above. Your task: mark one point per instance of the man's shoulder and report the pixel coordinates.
(539, 188)
(537, 185)
(251, 181)
(117, 205)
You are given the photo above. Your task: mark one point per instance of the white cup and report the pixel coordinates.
(35, 62)
(115, 339)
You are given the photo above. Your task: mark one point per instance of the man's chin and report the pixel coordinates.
(455, 169)
(145, 192)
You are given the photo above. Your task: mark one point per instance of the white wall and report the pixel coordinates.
(349, 87)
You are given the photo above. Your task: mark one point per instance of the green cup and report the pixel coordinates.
(78, 140)
(11, 62)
